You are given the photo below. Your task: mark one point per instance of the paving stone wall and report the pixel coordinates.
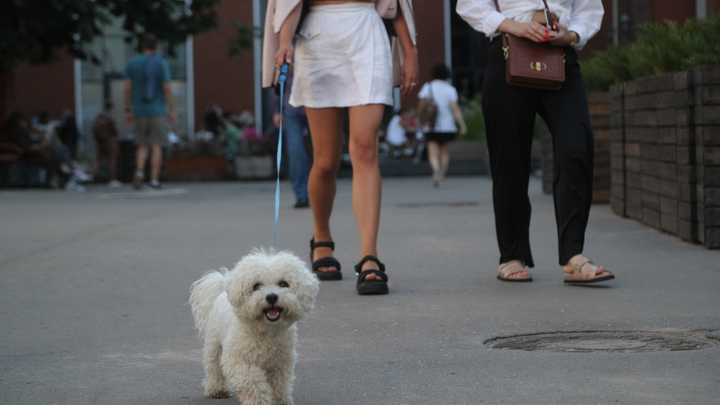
(665, 153)
(599, 103)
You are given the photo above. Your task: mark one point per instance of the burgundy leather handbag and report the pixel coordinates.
(533, 64)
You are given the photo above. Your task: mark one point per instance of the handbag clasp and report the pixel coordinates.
(539, 66)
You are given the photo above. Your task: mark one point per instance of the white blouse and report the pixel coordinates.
(582, 16)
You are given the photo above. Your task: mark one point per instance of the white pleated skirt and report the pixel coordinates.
(342, 58)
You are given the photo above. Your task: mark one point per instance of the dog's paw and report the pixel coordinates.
(282, 401)
(217, 393)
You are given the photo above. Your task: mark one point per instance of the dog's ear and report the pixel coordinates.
(238, 289)
(305, 285)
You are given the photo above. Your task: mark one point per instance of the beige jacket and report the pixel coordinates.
(278, 11)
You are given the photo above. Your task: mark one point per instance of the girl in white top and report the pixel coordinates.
(448, 111)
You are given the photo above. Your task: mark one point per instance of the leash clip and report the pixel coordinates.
(283, 74)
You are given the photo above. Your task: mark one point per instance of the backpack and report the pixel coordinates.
(428, 111)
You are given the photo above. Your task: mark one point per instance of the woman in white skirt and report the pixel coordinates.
(343, 59)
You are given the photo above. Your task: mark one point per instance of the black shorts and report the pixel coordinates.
(440, 137)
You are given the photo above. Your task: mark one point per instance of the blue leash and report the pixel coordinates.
(282, 79)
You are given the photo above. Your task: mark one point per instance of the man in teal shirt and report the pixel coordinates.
(147, 101)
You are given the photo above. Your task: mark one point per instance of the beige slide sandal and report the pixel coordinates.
(510, 268)
(584, 271)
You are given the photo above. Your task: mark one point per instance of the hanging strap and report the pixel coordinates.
(282, 79)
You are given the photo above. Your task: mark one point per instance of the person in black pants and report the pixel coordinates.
(510, 120)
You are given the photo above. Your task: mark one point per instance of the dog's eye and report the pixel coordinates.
(283, 284)
(257, 286)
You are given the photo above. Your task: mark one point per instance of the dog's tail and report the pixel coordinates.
(203, 294)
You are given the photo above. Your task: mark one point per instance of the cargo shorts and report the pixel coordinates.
(152, 130)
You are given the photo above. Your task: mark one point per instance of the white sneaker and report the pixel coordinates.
(114, 184)
(71, 185)
(82, 176)
(138, 179)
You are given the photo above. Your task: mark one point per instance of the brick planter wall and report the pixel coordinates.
(200, 168)
(599, 103)
(665, 135)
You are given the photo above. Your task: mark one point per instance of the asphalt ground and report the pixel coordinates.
(94, 286)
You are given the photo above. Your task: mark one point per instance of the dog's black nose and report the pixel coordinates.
(271, 298)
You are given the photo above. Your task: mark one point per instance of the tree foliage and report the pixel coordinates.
(244, 38)
(663, 48)
(37, 31)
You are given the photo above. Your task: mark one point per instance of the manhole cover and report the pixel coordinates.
(438, 204)
(625, 342)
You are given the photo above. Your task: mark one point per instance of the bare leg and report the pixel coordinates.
(367, 186)
(326, 131)
(112, 161)
(444, 161)
(95, 166)
(142, 152)
(434, 159)
(155, 162)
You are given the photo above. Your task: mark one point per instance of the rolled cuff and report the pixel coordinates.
(582, 36)
(491, 23)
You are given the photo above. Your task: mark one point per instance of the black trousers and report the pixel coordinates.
(510, 120)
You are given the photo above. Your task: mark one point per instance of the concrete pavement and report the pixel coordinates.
(94, 285)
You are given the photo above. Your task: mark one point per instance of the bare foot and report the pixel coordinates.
(522, 274)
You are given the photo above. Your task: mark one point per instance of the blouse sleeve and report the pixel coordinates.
(585, 20)
(423, 91)
(481, 15)
(453, 93)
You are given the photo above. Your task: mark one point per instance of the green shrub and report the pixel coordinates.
(663, 48)
(472, 113)
(475, 121)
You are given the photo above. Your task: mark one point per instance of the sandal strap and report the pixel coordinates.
(314, 244)
(581, 262)
(589, 271)
(358, 267)
(381, 274)
(326, 262)
(585, 268)
(506, 269)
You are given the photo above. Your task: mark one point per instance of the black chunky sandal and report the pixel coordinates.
(371, 287)
(325, 262)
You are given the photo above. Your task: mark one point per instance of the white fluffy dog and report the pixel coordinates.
(247, 317)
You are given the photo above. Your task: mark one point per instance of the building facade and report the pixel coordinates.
(204, 74)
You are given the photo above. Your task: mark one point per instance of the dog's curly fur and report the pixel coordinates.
(247, 318)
